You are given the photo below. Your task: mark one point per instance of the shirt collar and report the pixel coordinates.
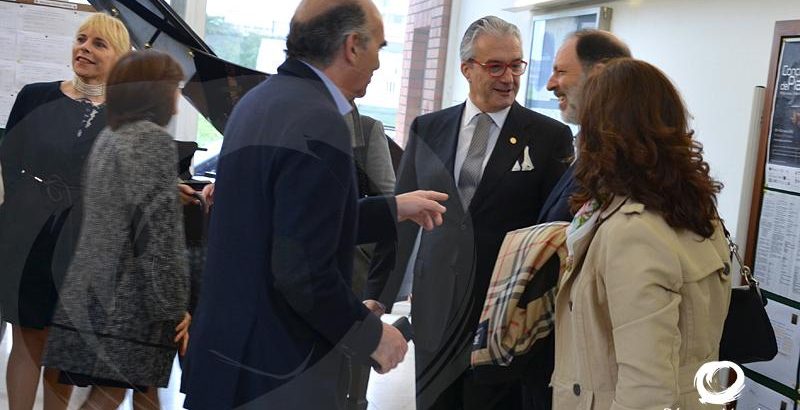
(342, 104)
(470, 111)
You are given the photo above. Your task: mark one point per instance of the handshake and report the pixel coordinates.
(393, 346)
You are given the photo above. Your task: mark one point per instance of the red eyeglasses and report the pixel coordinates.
(498, 69)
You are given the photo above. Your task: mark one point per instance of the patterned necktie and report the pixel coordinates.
(472, 170)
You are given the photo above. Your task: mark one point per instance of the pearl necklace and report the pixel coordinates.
(88, 90)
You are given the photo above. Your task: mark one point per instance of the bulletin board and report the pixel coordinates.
(36, 37)
(773, 247)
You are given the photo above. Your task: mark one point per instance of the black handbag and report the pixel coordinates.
(748, 335)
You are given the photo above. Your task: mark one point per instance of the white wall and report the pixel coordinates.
(715, 51)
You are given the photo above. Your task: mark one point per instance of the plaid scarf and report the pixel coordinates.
(510, 325)
(513, 319)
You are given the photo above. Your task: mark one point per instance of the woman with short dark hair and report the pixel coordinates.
(127, 289)
(646, 292)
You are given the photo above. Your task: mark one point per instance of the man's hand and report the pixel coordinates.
(421, 207)
(391, 349)
(375, 307)
(208, 194)
(186, 194)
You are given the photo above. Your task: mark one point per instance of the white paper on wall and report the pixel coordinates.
(36, 44)
(758, 397)
(783, 368)
(777, 252)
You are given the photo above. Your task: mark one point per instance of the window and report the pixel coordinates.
(549, 33)
(253, 33)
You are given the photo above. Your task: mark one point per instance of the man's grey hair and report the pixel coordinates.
(491, 25)
(317, 40)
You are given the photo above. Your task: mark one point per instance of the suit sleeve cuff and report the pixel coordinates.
(363, 338)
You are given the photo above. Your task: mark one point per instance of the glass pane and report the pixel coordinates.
(548, 35)
(253, 33)
(383, 93)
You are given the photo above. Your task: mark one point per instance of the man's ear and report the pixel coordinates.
(465, 70)
(351, 48)
(596, 68)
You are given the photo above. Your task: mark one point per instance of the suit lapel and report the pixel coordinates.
(446, 148)
(442, 141)
(506, 151)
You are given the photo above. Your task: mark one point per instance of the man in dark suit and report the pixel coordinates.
(276, 315)
(498, 161)
(582, 52)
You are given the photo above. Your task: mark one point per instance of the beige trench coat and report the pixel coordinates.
(642, 313)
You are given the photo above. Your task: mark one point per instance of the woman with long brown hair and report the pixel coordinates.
(646, 292)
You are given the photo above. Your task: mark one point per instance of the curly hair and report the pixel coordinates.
(635, 142)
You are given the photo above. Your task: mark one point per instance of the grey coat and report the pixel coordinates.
(128, 285)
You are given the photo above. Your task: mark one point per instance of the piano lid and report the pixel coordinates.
(213, 85)
(218, 85)
(153, 24)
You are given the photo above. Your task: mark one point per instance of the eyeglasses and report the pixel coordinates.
(498, 69)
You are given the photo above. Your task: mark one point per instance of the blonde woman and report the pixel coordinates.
(50, 130)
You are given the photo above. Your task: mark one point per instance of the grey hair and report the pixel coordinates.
(490, 25)
(317, 40)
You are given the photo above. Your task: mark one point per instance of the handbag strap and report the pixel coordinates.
(744, 270)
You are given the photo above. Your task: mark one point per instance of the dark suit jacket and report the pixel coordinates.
(276, 312)
(455, 260)
(556, 207)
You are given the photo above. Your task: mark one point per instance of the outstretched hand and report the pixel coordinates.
(422, 207)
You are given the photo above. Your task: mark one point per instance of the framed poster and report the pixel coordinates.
(549, 32)
(778, 167)
(783, 160)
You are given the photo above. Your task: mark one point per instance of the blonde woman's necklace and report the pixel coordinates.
(88, 90)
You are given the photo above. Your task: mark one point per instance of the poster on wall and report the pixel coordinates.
(783, 160)
(777, 254)
(37, 45)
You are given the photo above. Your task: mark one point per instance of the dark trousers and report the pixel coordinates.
(467, 393)
(536, 391)
(529, 391)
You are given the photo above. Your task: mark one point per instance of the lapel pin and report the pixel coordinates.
(513, 140)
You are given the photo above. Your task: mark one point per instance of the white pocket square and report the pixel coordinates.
(526, 164)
